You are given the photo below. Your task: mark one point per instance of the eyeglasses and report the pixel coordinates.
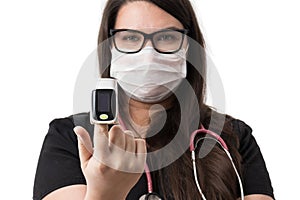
(165, 41)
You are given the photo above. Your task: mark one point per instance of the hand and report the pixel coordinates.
(114, 165)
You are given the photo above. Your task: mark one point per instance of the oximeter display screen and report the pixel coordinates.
(104, 104)
(103, 101)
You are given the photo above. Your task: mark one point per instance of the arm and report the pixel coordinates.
(256, 181)
(58, 164)
(64, 172)
(74, 192)
(258, 197)
(77, 192)
(103, 181)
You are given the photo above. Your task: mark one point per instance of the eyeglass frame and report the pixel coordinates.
(149, 37)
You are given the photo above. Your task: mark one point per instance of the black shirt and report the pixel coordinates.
(59, 163)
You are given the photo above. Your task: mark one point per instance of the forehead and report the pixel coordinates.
(144, 15)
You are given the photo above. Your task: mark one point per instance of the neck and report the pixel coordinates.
(141, 112)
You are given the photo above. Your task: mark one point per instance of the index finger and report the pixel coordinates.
(100, 136)
(100, 129)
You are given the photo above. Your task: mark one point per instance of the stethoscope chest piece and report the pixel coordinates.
(151, 196)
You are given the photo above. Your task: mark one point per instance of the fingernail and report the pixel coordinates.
(75, 129)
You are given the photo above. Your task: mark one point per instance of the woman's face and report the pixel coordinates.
(149, 18)
(145, 16)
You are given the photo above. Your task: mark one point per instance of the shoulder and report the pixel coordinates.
(243, 131)
(70, 121)
(64, 126)
(60, 126)
(248, 146)
(61, 137)
(241, 128)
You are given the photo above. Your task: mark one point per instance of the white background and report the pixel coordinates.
(254, 44)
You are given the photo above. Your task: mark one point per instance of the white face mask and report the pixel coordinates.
(148, 76)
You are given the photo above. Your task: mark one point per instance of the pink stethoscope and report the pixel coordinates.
(217, 138)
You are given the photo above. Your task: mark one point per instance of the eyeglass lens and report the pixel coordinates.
(164, 41)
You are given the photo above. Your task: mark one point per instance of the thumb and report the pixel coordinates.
(85, 146)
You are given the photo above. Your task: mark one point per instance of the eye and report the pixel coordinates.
(167, 37)
(131, 37)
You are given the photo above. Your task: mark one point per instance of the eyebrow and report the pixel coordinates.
(173, 27)
(169, 27)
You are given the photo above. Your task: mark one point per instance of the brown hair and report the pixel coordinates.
(176, 181)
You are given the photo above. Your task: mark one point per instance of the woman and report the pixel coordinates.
(69, 168)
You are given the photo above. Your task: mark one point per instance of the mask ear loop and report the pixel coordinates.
(222, 143)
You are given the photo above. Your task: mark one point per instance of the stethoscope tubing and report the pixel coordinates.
(216, 137)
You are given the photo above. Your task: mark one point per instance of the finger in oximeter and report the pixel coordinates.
(104, 102)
